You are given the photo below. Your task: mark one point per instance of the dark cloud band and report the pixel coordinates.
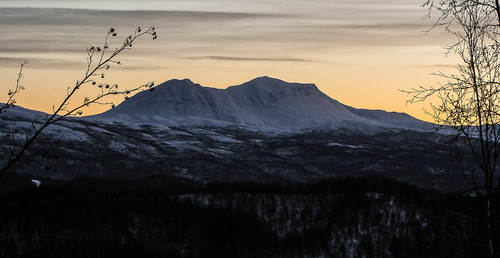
(234, 58)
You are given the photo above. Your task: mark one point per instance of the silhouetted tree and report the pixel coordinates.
(99, 60)
(469, 102)
(11, 102)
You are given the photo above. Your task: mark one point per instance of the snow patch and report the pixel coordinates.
(346, 145)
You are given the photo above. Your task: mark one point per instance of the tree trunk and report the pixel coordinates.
(488, 224)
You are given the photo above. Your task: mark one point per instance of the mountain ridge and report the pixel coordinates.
(262, 102)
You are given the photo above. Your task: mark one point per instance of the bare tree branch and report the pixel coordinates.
(11, 102)
(94, 70)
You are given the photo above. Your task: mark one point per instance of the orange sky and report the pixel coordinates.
(359, 52)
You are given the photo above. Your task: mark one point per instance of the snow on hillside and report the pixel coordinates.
(391, 119)
(24, 113)
(263, 102)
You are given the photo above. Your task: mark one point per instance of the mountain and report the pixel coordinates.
(265, 130)
(263, 102)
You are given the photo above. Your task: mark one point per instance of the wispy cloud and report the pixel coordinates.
(444, 66)
(82, 17)
(269, 31)
(234, 58)
(40, 63)
(48, 32)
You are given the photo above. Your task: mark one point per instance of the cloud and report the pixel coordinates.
(264, 59)
(40, 63)
(87, 17)
(62, 64)
(444, 66)
(299, 26)
(267, 29)
(70, 31)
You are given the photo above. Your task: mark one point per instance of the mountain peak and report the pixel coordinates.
(266, 84)
(266, 79)
(264, 102)
(186, 80)
(179, 82)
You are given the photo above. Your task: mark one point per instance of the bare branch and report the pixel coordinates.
(11, 102)
(94, 69)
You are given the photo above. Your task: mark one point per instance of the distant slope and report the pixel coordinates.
(393, 119)
(22, 113)
(262, 102)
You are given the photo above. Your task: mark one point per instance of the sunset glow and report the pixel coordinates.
(358, 52)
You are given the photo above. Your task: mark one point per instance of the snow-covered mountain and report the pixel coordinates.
(177, 131)
(263, 102)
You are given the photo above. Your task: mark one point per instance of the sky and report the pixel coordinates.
(359, 52)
